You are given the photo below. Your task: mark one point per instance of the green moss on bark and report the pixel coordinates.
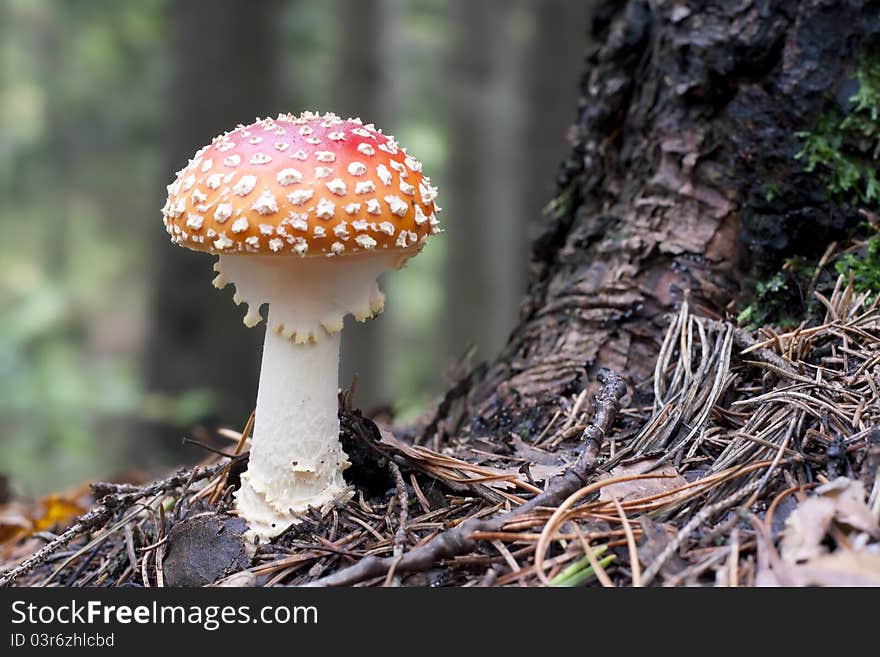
(844, 147)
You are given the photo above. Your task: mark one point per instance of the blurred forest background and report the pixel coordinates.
(113, 344)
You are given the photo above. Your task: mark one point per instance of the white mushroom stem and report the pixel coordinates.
(296, 460)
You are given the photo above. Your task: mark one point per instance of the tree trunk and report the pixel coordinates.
(487, 239)
(552, 65)
(225, 72)
(361, 90)
(687, 111)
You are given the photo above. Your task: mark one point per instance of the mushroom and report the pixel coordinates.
(305, 213)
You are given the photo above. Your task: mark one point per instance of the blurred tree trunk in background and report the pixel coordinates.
(512, 66)
(553, 66)
(486, 241)
(225, 72)
(689, 113)
(361, 90)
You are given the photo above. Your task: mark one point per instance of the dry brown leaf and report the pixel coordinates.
(13, 523)
(850, 508)
(842, 568)
(842, 501)
(667, 479)
(805, 529)
(57, 510)
(18, 520)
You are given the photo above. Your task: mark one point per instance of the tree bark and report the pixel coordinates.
(225, 72)
(687, 110)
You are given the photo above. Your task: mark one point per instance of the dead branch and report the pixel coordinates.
(121, 497)
(458, 540)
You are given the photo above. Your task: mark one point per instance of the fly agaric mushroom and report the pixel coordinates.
(305, 213)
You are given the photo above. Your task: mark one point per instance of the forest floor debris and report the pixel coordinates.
(755, 462)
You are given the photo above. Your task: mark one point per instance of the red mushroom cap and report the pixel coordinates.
(308, 185)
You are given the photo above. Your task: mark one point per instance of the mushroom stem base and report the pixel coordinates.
(296, 459)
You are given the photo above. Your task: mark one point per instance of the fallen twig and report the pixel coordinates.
(459, 540)
(108, 505)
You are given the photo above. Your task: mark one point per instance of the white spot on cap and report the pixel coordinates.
(198, 196)
(365, 187)
(337, 186)
(384, 174)
(240, 225)
(413, 164)
(325, 209)
(299, 155)
(206, 165)
(177, 209)
(361, 132)
(194, 221)
(253, 242)
(245, 185)
(336, 136)
(226, 145)
(373, 206)
(337, 247)
(360, 225)
(397, 205)
(222, 242)
(266, 203)
(232, 160)
(341, 229)
(399, 168)
(214, 180)
(387, 227)
(428, 193)
(323, 172)
(299, 224)
(406, 188)
(353, 208)
(260, 158)
(300, 196)
(255, 140)
(223, 212)
(281, 146)
(188, 182)
(365, 241)
(306, 130)
(401, 239)
(301, 248)
(420, 216)
(325, 156)
(288, 176)
(357, 168)
(314, 141)
(365, 148)
(267, 229)
(319, 231)
(276, 244)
